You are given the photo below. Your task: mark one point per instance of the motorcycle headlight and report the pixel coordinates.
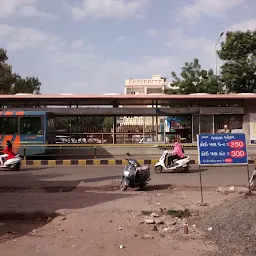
(126, 173)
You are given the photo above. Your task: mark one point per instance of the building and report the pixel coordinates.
(145, 86)
(155, 85)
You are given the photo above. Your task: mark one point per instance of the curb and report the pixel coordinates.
(96, 162)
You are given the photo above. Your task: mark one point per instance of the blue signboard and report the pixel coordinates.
(214, 149)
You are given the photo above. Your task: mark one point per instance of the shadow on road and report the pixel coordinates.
(194, 170)
(28, 207)
(158, 187)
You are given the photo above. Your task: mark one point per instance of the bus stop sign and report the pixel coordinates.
(222, 149)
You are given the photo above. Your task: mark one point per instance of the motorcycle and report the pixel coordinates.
(179, 165)
(135, 175)
(252, 181)
(13, 164)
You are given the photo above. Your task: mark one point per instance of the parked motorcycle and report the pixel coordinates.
(252, 181)
(135, 175)
(13, 164)
(179, 165)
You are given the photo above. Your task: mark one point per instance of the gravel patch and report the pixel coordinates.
(232, 226)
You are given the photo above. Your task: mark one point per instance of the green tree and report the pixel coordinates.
(12, 83)
(108, 124)
(194, 79)
(25, 85)
(6, 78)
(238, 52)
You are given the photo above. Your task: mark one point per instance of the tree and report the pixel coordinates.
(238, 52)
(12, 83)
(25, 85)
(194, 79)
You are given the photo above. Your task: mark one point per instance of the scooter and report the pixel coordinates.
(179, 165)
(135, 175)
(13, 164)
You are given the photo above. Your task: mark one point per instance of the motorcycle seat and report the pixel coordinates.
(143, 168)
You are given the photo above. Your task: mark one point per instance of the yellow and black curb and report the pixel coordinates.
(96, 162)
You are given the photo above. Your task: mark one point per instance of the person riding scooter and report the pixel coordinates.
(7, 152)
(177, 153)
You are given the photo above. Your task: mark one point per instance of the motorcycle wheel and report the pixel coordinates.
(123, 187)
(186, 169)
(15, 168)
(158, 169)
(142, 187)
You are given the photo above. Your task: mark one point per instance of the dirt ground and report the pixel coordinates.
(81, 211)
(137, 224)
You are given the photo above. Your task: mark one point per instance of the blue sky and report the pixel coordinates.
(92, 46)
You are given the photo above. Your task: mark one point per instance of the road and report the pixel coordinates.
(53, 179)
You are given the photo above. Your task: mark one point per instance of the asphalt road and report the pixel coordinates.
(56, 178)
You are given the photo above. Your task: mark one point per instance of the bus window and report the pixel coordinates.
(8, 125)
(31, 125)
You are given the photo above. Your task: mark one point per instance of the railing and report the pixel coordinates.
(86, 151)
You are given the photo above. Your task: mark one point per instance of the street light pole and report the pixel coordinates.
(216, 67)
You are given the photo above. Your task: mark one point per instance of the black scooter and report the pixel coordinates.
(135, 175)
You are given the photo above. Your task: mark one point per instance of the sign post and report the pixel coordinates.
(221, 149)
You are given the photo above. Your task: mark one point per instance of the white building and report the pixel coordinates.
(156, 85)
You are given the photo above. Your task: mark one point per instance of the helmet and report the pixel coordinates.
(8, 143)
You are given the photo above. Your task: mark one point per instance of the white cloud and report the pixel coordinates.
(121, 38)
(152, 32)
(26, 8)
(108, 8)
(21, 38)
(243, 26)
(207, 7)
(178, 40)
(77, 44)
(77, 58)
(101, 75)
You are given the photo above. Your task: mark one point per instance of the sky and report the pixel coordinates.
(92, 46)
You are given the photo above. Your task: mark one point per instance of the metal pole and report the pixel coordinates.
(200, 171)
(216, 54)
(164, 131)
(156, 124)
(199, 124)
(70, 128)
(114, 129)
(192, 129)
(153, 124)
(201, 185)
(143, 128)
(248, 174)
(213, 121)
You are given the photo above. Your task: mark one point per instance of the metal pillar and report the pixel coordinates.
(164, 131)
(213, 121)
(70, 126)
(156, 124)
(77, 128)
(114, 129)
(153, 123)
(143, 128)
(199, 124)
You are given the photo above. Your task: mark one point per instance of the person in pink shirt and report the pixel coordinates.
(177, 153)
